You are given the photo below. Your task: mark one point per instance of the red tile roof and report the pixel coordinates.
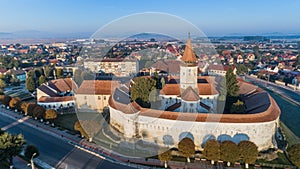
(98, 87)
(45, 99)
(272, 113)
(189, 55)
(203, 89)
(62, 85)
(190, 95)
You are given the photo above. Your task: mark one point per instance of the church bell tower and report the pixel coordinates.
(189, 68)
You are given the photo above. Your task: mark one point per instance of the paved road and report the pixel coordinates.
(277, 88)
(55, 151)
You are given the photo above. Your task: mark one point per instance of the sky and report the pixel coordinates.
(213, 17)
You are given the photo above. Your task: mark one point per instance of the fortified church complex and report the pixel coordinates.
(188, 108)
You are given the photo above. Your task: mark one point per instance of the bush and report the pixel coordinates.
(38, 111)
(6, 100)
(29, 108)
(13, 102)
(30, 150)
(238, 107)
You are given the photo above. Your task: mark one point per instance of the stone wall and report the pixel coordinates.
(170, 132)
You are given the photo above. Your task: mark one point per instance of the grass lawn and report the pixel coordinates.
(290, 137)
(67, 121)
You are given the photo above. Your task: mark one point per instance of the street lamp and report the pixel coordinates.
(31, 160)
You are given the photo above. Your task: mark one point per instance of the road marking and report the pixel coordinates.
(14, 123)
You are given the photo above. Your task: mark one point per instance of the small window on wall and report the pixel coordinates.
(104, 97)
(99, 97)
(85, 98)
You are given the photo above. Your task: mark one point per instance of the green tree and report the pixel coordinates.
(248, 152)
(48, 71)
(162, 82)
(141, 89)
(15, 81)
(229, 152)
(30, 150)
(232, 86)
(31, 73)
(238, 107)
(241, 69)
(165, 155)
(257, 53)
(186, 147)
(30, 83)
(294, 154)
(59, 73)
(10, 146)
(2, 86)
(232, 89)
(42, 80)
(211, 150)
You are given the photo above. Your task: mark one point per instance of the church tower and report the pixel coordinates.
(189, 68)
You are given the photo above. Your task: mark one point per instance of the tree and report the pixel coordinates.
(38, 72)
(59, 73)
(13, 102)
(30, 83)
(297, 63)
(29, 108)
(2, 86)
(30, 150)
(229, 152)
(162, 82)
(77, 77)
(78, 127)
(6, 100)
(238, 107)
(10, 146)
(91, 128)
(18, 105)
(165, 155)
(42, 80)
(50, 115)
(23, 107)
(15, 81)
(38, 112)
(257, 53)
(141, 90)
(31, 73)
(232, 87)
(48, 72)
(241, 69)
(187, 148)
(248, 152)
(211, 150)
(294, 154)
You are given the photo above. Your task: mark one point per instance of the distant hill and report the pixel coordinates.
(148, 36)
(35, 34)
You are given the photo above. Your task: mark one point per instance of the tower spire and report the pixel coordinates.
(189, 55)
